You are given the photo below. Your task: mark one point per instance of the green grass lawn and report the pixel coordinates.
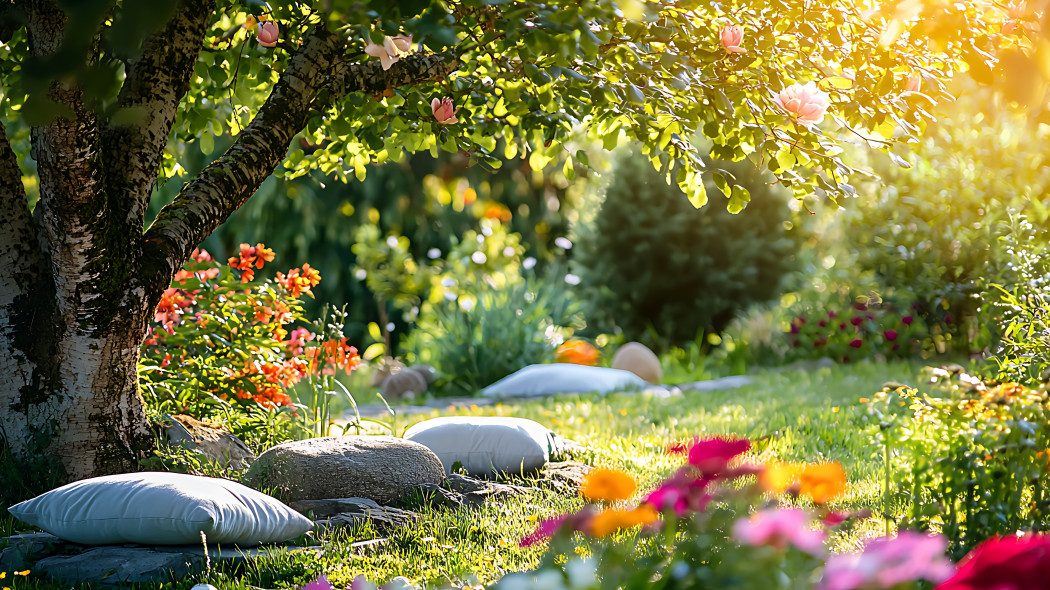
(789, 415)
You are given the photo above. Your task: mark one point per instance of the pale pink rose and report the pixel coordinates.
(443, 110)
(889, 563)
(392, 49)
(268, 33)
(779, 529)
(805, 104)
(403, 43)
(731, 37)
(914, 83)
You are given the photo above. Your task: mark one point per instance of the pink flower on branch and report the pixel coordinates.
(730, 37)
(392, 49)
(268, 33)
(712, 455)
(805, 104)
(443, 110)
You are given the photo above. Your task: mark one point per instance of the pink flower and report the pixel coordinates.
(392, 49)
(730, 37)
(891, 335)
(886, 562)
(321, 583)
(682, 493)
(572, 521)
(914, 83)
(268, 33)
(906, 320)
(712, 455)
(856, 343)
(779, 529)
(805, 104)
(443, 110)
(856, 321)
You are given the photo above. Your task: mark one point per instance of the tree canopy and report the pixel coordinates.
(102, 98)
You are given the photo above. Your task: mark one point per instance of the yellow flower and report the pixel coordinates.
(609, 521)
(22, 573)
(250, 23)
(822, 482)
(778, 477)
(608, 485)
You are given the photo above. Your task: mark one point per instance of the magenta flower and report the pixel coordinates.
(780, 529)
(906, 320)
(321, 583)
(822, 324)
(886, 562)
(891, 335)
(832, 315)
(856, 343)
(573, 521)
(712, 455)
(856, 321)
(842, 326)
(682, 492)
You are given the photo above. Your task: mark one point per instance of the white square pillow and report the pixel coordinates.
(158, 508)
(486, 444)
(538, 380)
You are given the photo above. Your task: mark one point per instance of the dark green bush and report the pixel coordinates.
(662, 271)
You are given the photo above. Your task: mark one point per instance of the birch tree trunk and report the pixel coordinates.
(79, 276)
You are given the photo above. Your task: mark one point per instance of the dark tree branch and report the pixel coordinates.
(156, 81)
(368, 77)
(208, 200)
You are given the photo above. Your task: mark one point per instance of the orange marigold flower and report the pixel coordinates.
(777, 477)
(608, 485)
(577, 352)
(609, 521)
(822, 482)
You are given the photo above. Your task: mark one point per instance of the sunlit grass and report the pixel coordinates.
(790, 416)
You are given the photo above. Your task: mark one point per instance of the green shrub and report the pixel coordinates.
(662, 271)
(969, 458)
(930, 233)
(1024, 349)
(478, 338)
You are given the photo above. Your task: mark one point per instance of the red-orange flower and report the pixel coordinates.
(577, 352)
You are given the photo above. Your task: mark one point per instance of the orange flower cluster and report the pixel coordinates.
(300, 281)
(169, 310)
(577, 352)
(820, 482)
(341, 354)
(278, 311)
(198, 256)
(609, 521)
(250, 259)
(607, 485)
(269, 381)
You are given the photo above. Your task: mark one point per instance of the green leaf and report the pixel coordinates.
(694, 189)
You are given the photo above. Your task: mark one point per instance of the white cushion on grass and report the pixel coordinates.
(158, 508)
(539, 380)
(485, 445)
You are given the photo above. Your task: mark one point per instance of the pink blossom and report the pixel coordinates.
(392, 49)
(886, 563)
(682, 492)
(891, 335)
(805, 104)
(443, 110)
(906, 320)
(779, 529)
(712, 455)
(268, 33)
(856, 343)
(572, 521)
(321, 583)
(914, 83)
(731, 37)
